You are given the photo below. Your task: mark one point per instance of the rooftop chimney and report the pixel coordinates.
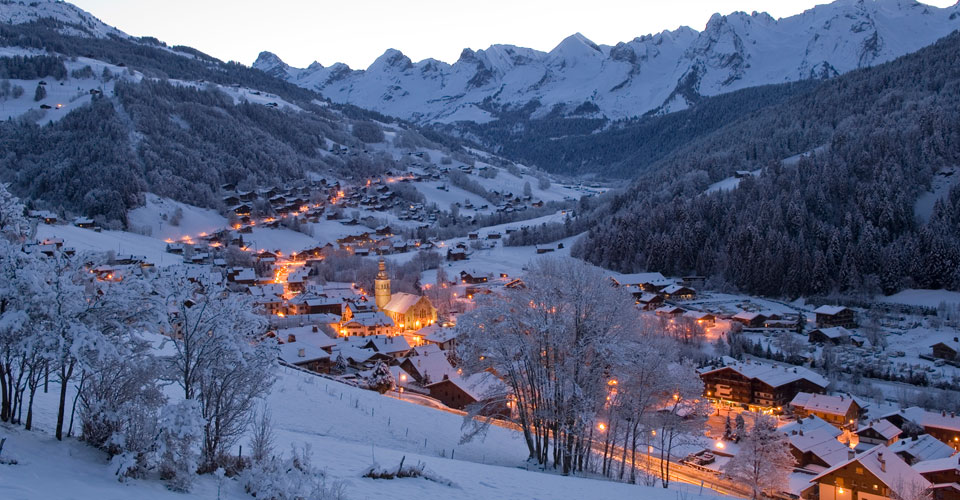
(883, 463)
(851, 454)
(302, 352)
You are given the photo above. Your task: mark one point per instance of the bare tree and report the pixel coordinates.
(764, 462)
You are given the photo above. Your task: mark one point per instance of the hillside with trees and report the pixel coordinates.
(841, 218)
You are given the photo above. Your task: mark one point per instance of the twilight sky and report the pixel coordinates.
(358, 31)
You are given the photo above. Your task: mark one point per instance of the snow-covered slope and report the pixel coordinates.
(666, 72)
(83, 23)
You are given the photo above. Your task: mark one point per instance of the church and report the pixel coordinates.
(409, 312)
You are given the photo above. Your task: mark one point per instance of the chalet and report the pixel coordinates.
(835, 335)
(828, 316)
(305, 356)
(542, 249)
(941, 425)
(648, 301)
(750, 319)
(648, 282)
(946, 350)
(701, 318)
(678, 292)
(841, 411)
(442, 337)
(879, 432)
(494, 236)
(395, 346)
(458, 392)
(920, 448)
(760, 386)
(472, 278)
(813, 441)
(670, 311)
(308, 334)
(46, 216)
(473, 235)
(428, 367)
(873, 475)
(944, 473)
(242, 210)
(456, 254)
(366, 324)
(83, 222)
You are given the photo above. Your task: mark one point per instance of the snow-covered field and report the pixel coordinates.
(925, 298)
(348, 430)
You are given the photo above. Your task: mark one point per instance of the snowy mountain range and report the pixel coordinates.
(664, 72)
(82, 22)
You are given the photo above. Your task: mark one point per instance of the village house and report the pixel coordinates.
(458, 392)
(836, 335)
(880, 431)
(828, 316)
(813, 441)
(648, 301)
(944, 473)
(305, 356)
(946, 350)
(472, 277)
(750, 319)
(366, 324)
(428, 366)
(760, 386)
(841, 411)
(648, 282)
(670, 311)
(443, 337)
(873, 475)
(704, 319)
(920, 448)
(678, 292)
(941, 425)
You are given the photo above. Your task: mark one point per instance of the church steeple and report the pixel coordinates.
(382, 286)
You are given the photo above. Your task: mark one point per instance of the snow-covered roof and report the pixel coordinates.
(697, 315)
(386, 344)
(883, 427)
(747, 316)
(669, 310)
(371, 319)
(836, 332)
(641, 279)
(309, 334)
(440, 334)
(922, 447)
(815, 435)
(829, 310)
(892, 471)
(400, 302)
(774, 375)
(938, 465)
(434, 366)
(924, 418)
(834, 405)
(300, 352)
(478, 386)
(675, 288)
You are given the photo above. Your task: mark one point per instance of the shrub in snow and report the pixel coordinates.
(378, 472)
(178, 450)
(290, 478)
(380, 379)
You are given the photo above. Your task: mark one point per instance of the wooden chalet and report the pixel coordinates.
(828, 316)
(760, 386)
(877, 474)
(841, 411)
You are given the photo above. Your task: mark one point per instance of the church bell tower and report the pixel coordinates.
(382, 286)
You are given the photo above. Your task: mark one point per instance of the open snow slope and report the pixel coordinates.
(347, 428)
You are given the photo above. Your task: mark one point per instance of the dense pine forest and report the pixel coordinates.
(841, 219)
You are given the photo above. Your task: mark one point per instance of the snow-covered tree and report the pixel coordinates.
(13, 223)
(292, 477)
(556, 344)
(181, 429)
(682, 414)
(219, 359)
(380, 379)
(764, 461)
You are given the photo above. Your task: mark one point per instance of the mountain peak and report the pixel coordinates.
(86, 23)
(392, 59)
